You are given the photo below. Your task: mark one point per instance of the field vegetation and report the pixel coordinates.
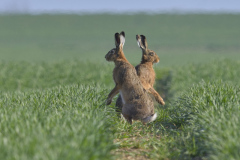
(54, 81)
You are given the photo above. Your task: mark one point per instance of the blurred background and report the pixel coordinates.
(179, 31)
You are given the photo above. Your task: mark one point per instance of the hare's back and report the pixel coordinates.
(126, 74)
(146, 74)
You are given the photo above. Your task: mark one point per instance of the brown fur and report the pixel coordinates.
(137, 105)
(145, 71)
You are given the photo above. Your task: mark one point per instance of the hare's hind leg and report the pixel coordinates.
(127, 112)
(128, 118)
(119, 105)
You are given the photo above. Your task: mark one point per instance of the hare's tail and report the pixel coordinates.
(149, 118)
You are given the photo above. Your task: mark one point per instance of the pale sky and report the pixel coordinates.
(123, 6)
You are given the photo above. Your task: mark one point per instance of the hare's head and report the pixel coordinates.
(117, 52)
(147, 54)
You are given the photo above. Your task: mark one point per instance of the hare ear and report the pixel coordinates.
(122, 38)
(138, 41)
(117, 39)
(123, 34)
(141, 40)
(144, 41)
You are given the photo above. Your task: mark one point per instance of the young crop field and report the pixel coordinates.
(54, 81)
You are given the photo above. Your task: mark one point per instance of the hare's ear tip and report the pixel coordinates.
(123, 33)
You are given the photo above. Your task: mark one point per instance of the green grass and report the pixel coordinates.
(178, 39)
(67, 122)
(29, 114)
(54, 81)
(188, 75)
(25, 75)
(208, 113)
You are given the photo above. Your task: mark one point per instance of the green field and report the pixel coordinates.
(54, 81)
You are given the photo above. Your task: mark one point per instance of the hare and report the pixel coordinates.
(145, 71)
(136, 103)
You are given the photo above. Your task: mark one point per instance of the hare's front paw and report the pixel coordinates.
(108, 101)
(160, 101)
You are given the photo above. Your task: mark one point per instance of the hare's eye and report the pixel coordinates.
(152, 53)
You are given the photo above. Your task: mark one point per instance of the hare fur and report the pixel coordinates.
(137, 104)
(145, 71)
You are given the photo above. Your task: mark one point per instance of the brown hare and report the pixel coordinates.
(137, 104)
(145, 71)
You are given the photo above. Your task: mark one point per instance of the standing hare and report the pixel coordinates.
(136, 103)
(145, 71)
